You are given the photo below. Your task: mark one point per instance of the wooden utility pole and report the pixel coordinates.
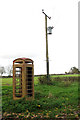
(47, 58)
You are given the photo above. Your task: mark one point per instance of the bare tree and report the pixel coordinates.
(2, 70)
(9, 70)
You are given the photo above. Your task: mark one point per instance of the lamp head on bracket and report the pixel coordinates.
(50, 30)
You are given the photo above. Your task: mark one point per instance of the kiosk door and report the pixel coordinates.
(18, 82)
(29, 81)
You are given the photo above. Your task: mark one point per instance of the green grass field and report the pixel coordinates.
(9, 81)
(59, 100)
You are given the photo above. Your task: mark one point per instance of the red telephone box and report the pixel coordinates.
(23, 78)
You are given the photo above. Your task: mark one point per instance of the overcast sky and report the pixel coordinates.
(22, 33)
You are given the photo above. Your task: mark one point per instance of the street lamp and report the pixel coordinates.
(47, 31)
(50, 30)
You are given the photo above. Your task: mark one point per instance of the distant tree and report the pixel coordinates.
(65, 72)
(2, 70)
(9, 70)
(74, 70)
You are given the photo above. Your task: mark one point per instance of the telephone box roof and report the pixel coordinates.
(23, 59)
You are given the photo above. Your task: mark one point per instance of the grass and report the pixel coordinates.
(9, 81)
(67, 75)
(51, 101)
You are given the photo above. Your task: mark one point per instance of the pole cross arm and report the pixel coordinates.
(45, 14)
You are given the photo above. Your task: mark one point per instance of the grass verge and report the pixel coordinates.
(51, 101)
